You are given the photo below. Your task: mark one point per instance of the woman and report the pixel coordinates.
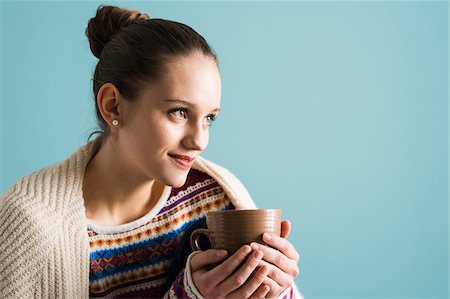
(111, 221)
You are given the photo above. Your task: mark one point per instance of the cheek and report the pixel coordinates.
(165, 135)
(155, 134)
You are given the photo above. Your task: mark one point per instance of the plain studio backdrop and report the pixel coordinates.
(335, 112)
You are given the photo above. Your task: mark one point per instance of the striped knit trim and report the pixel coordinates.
(189, 192)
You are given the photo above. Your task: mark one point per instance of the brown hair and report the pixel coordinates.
(134, 49)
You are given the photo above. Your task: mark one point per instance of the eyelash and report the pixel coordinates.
(212, 117)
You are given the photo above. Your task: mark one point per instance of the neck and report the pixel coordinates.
(113, 193)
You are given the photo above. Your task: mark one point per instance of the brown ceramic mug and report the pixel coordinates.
(232, 229)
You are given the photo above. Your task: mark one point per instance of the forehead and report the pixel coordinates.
(194, 79)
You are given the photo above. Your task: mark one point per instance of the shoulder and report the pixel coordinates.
(34, 187)
(25, 202)
(29, 184)
(232, 186)
(38, 202)
(57, 182)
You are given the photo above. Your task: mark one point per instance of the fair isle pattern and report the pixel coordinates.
(134, 263)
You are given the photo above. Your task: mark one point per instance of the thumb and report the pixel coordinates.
(285, 228)
(205, 258)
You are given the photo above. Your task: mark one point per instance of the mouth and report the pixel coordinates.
(184, 162)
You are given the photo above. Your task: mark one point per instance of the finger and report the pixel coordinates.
(240, 276)
(275, 288)
(284, 280)
(282, 245)
(261, 292)
(225, 269)
(205, 258)
(251, 286)
(285, 228)
(277, 258)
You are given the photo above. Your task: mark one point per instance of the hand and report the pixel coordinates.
(229, 279)
(282, 261)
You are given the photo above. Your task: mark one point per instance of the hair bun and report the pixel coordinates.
(106, 23)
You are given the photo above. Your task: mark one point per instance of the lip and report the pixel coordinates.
(184, 162)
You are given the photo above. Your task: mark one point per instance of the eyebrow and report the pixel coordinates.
(186, 103)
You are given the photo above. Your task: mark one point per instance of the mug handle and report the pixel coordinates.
(195, 238)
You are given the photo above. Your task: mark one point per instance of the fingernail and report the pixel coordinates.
(254, 246)
(221, 253)
(247, 249)
(267, 237)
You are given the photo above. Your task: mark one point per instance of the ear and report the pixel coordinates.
(109, 101)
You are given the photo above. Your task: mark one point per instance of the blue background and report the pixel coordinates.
(335, 112)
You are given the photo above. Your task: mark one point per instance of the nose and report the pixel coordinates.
(197, 137)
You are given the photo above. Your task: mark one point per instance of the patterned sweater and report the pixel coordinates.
(132, 260)
(45, 249)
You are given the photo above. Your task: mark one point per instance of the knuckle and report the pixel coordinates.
(254, 262)
(260, 277)
(272, 271)
(243, 253)
(262, 273)
(239, 280)
(276, 274)
(256, 258)
(278, 259)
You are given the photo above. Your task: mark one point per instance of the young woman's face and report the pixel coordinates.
(168, 126)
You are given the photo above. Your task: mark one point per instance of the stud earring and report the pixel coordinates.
(115, 122)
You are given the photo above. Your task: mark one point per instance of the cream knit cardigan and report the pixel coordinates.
(44, 247)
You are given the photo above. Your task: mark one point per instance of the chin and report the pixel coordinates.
(175, 180)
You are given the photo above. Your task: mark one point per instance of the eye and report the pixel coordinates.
(179, 113)
(209, 119)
